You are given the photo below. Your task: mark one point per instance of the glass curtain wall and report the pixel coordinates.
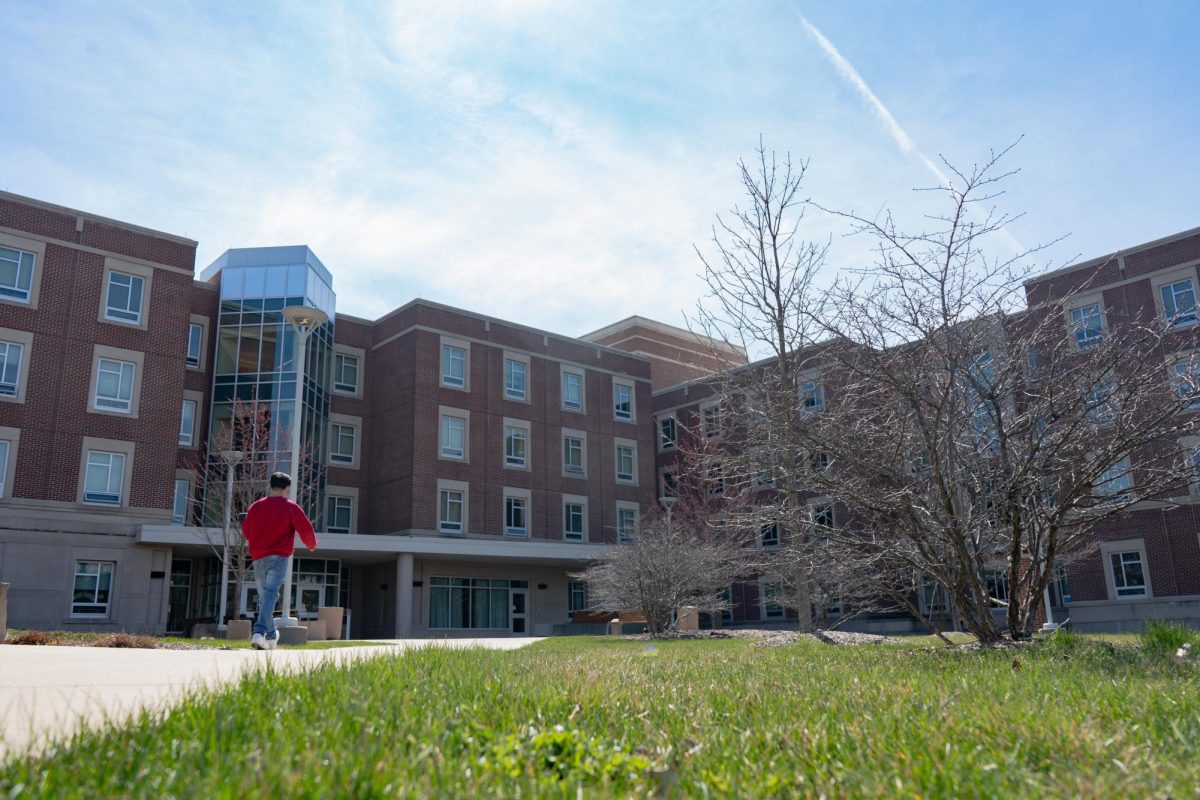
(255, 379)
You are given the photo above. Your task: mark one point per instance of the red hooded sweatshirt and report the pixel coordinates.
(271, 526)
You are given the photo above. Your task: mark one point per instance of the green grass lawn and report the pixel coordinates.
(720, 718)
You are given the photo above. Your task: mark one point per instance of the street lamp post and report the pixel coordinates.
(231, 459)
(304, 321)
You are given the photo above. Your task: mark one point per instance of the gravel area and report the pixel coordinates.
(772, 638)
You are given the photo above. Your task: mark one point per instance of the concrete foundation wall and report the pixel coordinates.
(1132, 617)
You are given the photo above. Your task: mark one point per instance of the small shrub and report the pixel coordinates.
(31, 637)
(1064, 642)
(126, 640)
(1163, 638)
(560, 755)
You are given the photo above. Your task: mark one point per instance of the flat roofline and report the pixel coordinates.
(1098, 260)
(508, 323)
(31, 201)
(663, 327)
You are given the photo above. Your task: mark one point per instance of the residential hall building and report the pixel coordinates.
(464, 466)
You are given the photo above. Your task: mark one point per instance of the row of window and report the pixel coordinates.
(454, 497)
(454, 427)
(812, 400)
(455, 374)
(1177, 307)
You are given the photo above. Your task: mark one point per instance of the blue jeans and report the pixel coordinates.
(269, 572)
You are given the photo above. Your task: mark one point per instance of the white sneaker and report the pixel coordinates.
(259, 642)
(273, 643)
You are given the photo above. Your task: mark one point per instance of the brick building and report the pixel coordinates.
(466, 465)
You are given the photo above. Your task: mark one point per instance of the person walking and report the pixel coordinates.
(270, 528)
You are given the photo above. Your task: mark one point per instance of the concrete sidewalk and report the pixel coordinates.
(48, 692)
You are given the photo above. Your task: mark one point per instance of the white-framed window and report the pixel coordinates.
(516, 444)
(114, 385)
(11, 354)
(454, 366)
(1087, 325)
(622, 401)
(1115, 482)
(997, 584)
(668, 478)
(5, 449)
(1187, 382)
(821, 514)
(768, 535)
(16, 274)
(105, 478)
(195, 344)
(626, 461)
(124, 298)
(343, 443)
(516, 513)
(1098, 403)
(668, 435)
(1128, 573)
(627, 522)
(345, 373)
(572, 390)
(516, 379)
(452, 506)
(1178, 302)
(179, 501)
(340, 513)
(187, 423)
(771, 591)
(812, 397)
(577, 599)
(92, 588)
(574, 448)
(453, 437)
(575, 518)
(710, 420)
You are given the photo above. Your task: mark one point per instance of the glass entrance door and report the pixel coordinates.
(310, 597)
(181, 595)
(520, 610)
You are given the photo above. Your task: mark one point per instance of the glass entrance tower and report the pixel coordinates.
(254, 374)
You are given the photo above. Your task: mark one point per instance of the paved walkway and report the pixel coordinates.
(46, 692)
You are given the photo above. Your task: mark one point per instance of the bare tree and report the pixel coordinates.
(968, 433)
(684, 555)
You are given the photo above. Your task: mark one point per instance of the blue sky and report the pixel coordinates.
(554, 163)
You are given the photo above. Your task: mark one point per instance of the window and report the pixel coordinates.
(768, 535)
(622, 401)
(573, 455)
(187, 423)
(515, 379)
(1116, 482)
(114, 385)
(124, 300)
(516, 445)
(710, 420)
(667, 483)
(341, 514)
(667, 435)
(1129, 579)
(574, 520)
(812, 398)
(1187, 377)
(471, 603)
(452, 509)
(10, 367)
(716, 480)
(997, 585)
(818, 462)
(16, 274)
(1098, 403)
(1061, 584)
(626, 462)
(772, 608)
(572, 391)
(727, 606)
(821, 514)
(576, 596)
(342, 443)
(5, 447)
(454, 366)
(1192, 453)
(627, 523)
(1087, 324)
(179, 504)
(345, 373)
(92, 588)
(104, 478)
(194, 344)
(454, 437)
(515, 515)
(1178, 302)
